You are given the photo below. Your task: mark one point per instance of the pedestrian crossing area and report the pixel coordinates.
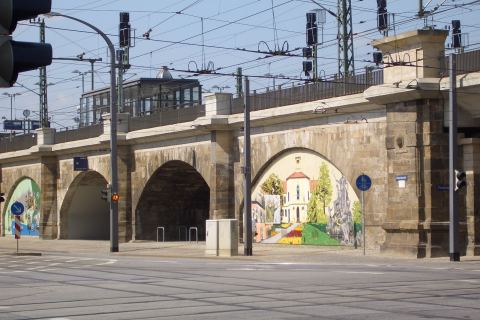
(21, 264)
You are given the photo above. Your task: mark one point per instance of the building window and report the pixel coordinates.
(298, 192)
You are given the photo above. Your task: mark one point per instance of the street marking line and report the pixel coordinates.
(359, 272)
(44, 270)
(111, 261)
(4, 307)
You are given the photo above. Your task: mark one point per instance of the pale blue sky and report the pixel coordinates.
(226, 23)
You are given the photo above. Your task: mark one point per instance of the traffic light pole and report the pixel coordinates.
(452, 162)
(247, 205)
(113, 131)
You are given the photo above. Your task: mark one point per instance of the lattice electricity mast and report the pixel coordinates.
(346, 65)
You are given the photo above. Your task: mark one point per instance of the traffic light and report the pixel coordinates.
(2, 197)
(382, 15)
(460, 179)
(456, 34)
(307, 67)
(124, 30)
(107, 193)
(16, 56)
(115, 197)
(312, 32)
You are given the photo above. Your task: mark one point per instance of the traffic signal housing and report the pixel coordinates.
(311, 28)
(460, 179)
(17, 56)
(456, 34)
(106, 193)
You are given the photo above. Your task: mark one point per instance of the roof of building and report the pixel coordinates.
(298, 175)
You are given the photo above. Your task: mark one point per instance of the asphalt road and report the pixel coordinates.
(57, 286)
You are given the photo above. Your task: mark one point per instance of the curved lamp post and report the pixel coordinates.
(113, 131)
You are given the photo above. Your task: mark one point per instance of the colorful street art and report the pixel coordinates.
(27, 192)
(303, 199)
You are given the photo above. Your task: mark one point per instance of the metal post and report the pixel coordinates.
(363, 221)
(92, 61)
(247, 217)
(113, 132)
(120, 79)
(452, 163)
(11, 106)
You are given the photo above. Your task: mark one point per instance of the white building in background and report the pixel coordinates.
(295, 201)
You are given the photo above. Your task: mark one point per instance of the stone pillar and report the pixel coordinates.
(45, 136)
(48, 198)
(412, 55)
(218, 104)
(125, 192)
(471, 166)
(221, 179)
(417, 153)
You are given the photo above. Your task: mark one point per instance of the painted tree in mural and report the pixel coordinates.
(272, 186)
(321, 197)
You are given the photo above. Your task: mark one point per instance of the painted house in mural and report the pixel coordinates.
(27, 193)
(298, 187)
(302, 199)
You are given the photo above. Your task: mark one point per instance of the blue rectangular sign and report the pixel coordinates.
(13, 124)
(34, 124)
(80, 163)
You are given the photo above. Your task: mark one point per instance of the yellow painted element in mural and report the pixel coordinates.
(292, 240)
(299, 228)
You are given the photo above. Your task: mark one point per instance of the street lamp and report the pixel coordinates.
(83, 78)
(220, 89)
(273, 76)
(113, 130)
(12, 97)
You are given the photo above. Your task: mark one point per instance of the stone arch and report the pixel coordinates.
(26, 191)
(294, 210)
(83, 214)
(175, 197)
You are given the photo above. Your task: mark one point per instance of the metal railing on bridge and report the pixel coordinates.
(166, 117)
(310, 92)
(79, 133)
(17, 142)
(466, 62)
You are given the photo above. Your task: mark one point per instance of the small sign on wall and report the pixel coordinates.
(80, 163)
(401, 181)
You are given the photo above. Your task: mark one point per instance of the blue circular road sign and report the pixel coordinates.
(363, 182)
(17, 208)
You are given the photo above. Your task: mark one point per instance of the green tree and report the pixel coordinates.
(273, 185)
(321, 197)
(357, 212)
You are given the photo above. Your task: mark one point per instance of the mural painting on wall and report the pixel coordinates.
(303, 199)
(27, 192)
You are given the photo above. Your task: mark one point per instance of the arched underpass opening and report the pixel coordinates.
(176, 197)
(84, 215)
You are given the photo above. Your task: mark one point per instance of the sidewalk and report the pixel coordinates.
(271, 253)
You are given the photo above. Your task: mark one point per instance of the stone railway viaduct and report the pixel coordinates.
(186, 172)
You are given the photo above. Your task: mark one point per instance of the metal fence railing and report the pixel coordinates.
(466, 62)
(79, 134)
(310, 92)
(166, 117)
(17, 142)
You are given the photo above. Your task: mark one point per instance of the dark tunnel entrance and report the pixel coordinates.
(84, 214)
(177, 198)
